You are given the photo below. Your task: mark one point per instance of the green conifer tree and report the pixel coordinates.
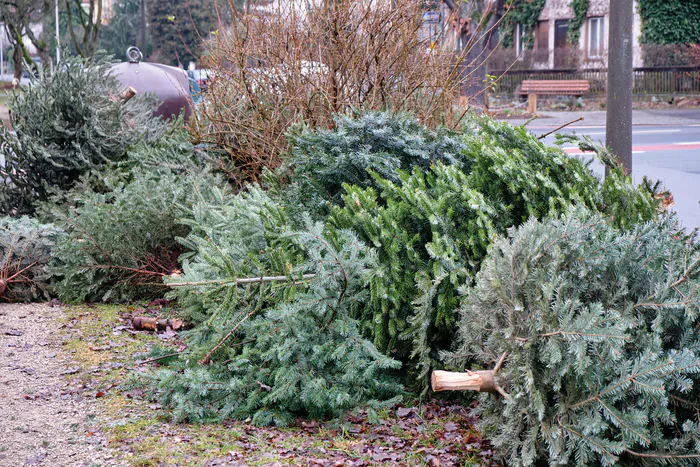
(596, 332)
(122, 223)
(280, 346)
(67, 124)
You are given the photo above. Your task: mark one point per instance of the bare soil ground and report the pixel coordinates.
(44, 419)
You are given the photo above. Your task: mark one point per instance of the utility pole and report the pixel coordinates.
(618, 124)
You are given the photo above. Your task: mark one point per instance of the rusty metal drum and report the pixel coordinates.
(168, 83)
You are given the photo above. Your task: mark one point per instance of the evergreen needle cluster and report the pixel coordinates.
(66, 124)
(122, 223)
(284, 349)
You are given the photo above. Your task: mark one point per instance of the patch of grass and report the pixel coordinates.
(108, 357)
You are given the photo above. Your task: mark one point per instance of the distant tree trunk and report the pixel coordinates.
(19, 53)
(16, 16)
(41, 45)
(17, 57)
(90, 22)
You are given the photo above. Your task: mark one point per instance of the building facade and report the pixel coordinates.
(552, 48)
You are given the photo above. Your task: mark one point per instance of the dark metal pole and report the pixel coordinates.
(618, 125)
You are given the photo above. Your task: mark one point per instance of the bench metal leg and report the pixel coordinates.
(532, 104)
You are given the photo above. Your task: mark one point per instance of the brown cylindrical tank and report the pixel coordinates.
(168, 83)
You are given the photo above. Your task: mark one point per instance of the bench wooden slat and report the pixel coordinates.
(533, 88)
(575, 87)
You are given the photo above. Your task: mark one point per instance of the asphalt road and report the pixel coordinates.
(667, 153)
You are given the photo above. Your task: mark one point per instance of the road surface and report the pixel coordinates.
(668, 153)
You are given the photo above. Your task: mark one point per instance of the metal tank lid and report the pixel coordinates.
(168, 83)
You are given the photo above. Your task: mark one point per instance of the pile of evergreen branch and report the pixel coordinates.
(122, 223)
(426, 207)
(434, 206)
(377, 248)
(283, 346)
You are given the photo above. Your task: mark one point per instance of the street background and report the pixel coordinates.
(666, 147)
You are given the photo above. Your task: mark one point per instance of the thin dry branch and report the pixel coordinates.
(560, 127)
(275, 69)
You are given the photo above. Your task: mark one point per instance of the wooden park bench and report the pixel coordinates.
(532, 87)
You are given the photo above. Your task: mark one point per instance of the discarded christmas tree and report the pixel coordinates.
(591, 335)
(276, 347)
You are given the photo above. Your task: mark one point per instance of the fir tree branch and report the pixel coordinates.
(155, 359)
(686, 273)
(243, 280)
(75, 225)
(207, 357)
(499, 363)
(659, 305)
(571, 333)
(501, 391)
(622, 422)
(659, 455)
(586, 438)
(627, 380)
(19, 273)
(559, 128)
(126, 268)
(685, 402)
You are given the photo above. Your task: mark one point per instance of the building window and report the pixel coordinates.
(596, 37)
(542, 41)
(519, 40)
(430, 27)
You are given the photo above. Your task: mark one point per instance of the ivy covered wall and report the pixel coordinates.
(580, 8)
(670, 21)
(525, 12)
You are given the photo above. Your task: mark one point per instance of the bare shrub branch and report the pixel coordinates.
(279, 65)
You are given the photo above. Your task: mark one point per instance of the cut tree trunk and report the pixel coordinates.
(155, 324)
(127, 94)
(481, 381)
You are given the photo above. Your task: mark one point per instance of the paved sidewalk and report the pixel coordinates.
(672, 117)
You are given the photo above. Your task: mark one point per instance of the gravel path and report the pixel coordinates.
(44, 418)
